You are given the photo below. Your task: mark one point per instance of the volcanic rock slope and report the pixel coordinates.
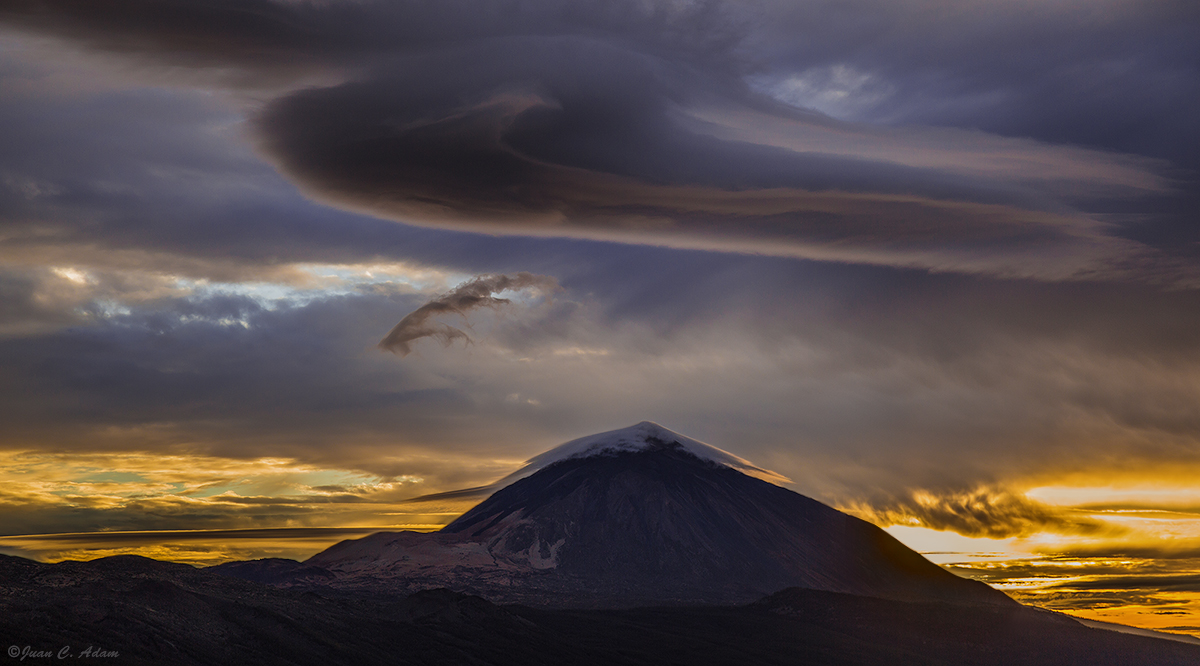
(639, 516)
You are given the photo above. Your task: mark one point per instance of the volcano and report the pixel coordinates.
(641, 516)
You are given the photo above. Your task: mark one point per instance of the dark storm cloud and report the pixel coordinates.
(479, 292)
(153, 177)
(98, 175)
(653, 123)
(577, 137)
(260, 36)
(1113, 75)
(1109, 73)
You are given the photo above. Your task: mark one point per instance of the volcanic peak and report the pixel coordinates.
(646, 436)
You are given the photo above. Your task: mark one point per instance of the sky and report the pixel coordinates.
(291, 264)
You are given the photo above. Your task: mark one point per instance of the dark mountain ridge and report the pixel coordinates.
(149, 612)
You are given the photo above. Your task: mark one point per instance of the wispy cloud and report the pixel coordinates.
(981, 512)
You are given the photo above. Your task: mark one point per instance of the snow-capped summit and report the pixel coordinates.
(644, 436)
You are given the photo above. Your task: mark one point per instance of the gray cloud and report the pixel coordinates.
(925, 380)
(479, 292)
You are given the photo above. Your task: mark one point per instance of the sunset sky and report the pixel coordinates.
(937, 262)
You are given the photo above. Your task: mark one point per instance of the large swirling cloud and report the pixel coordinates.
(695, 125)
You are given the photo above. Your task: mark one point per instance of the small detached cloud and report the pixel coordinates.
(477, 293)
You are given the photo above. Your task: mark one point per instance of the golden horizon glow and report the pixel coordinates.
(1140, 569)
